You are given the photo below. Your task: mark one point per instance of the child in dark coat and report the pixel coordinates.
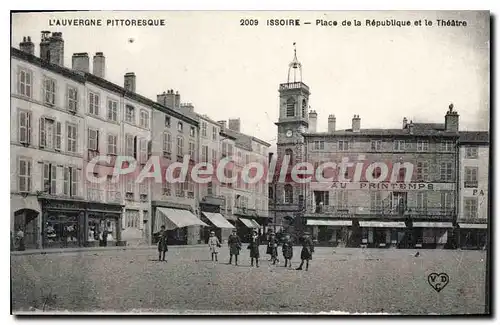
(254, 248)
(287, 250)
(162, 243)
(273, 245)
(307, 250)
(234, 244)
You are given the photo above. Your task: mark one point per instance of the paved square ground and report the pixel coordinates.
(347, 280)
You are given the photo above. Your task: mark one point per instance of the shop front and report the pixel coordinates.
(182, 226)
(382, 234)
(330, 232)
(74, 223)
(429, 234)
(26, 215)
(218, 224)
(473, 236)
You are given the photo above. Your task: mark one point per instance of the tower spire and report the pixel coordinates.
(295, 65)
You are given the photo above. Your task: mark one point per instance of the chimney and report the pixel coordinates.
(451, 120)
(331, 123)
(80, 62)
(167, 99)
(56, 49)
(99, 65)
(234, 124)
(177, 101)
(313, 121)
(27, 46)
(187, 107)
(129, 82)
(405, 122)
(44, 46)
(356, 123)
(222, 124)
(410, 127)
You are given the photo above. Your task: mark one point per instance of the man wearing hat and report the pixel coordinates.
(307, 250)
(234, 244)
(214, 244)
(254, 248)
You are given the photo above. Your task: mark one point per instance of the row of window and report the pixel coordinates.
(398, 145)
(180, 127)
(52, 175)
(49, 88)
(168, 142)
(204, 133)
(291, 108)
(185, 189)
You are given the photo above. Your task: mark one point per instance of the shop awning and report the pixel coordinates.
(320, 222)
(255, 223)
(176, 218)
(473, 225)
(218, 220)
(428, 224)
(248, 223)
(382, 224)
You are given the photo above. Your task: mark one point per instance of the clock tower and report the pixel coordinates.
(293, 122)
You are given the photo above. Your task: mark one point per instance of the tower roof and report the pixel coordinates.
(293, 67)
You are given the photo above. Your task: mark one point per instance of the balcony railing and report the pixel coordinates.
(95, 195)
(293, 85)
(470, 184)
(361, 211)
(113, 197)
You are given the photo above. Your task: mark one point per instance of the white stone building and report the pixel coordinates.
(473, 184)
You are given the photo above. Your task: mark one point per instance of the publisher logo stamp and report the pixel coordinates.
(438, 281)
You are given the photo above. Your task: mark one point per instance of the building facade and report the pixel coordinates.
(473, 204)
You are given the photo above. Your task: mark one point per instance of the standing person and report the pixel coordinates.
(105, 236)
(269, 248)
(287, 250)
(307, 250)
(214, 244)
(20, 240)
(254, 248)
(273, 245)
(234, 244)
(162, 243)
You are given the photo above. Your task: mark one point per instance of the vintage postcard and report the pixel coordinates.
(250, 162)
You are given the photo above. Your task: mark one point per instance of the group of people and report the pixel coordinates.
(235, 246)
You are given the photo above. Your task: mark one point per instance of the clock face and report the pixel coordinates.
(289, 133)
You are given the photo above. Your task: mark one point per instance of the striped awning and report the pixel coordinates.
(322, 222)
(382, 224)
(473, 225)
(218, 220)
(429, 224)
(175, 218)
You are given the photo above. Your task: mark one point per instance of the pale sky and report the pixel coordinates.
(226, 70)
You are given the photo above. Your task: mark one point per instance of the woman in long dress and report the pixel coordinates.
(254, 248)
(214, 244)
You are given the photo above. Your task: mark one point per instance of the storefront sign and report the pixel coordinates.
(477, 192)
(385, 186)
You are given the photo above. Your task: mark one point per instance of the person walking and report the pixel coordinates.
(105, 236)
(234, 244)
(287, 250)
(162, 243)
(214, 244)
(273, 245)
(20, 240)
(254, 248)
(307, 250)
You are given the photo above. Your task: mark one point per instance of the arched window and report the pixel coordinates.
(288, 193)
(271, 193)
(289, 152)
(304, 108)
(290, 107)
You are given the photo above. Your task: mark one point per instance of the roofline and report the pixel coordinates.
(361, 134)
(261, 141)
(227, 136)
(84, 77)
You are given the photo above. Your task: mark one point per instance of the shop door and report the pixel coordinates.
(27, 221)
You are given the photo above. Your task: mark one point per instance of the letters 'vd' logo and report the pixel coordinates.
(438, 281)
